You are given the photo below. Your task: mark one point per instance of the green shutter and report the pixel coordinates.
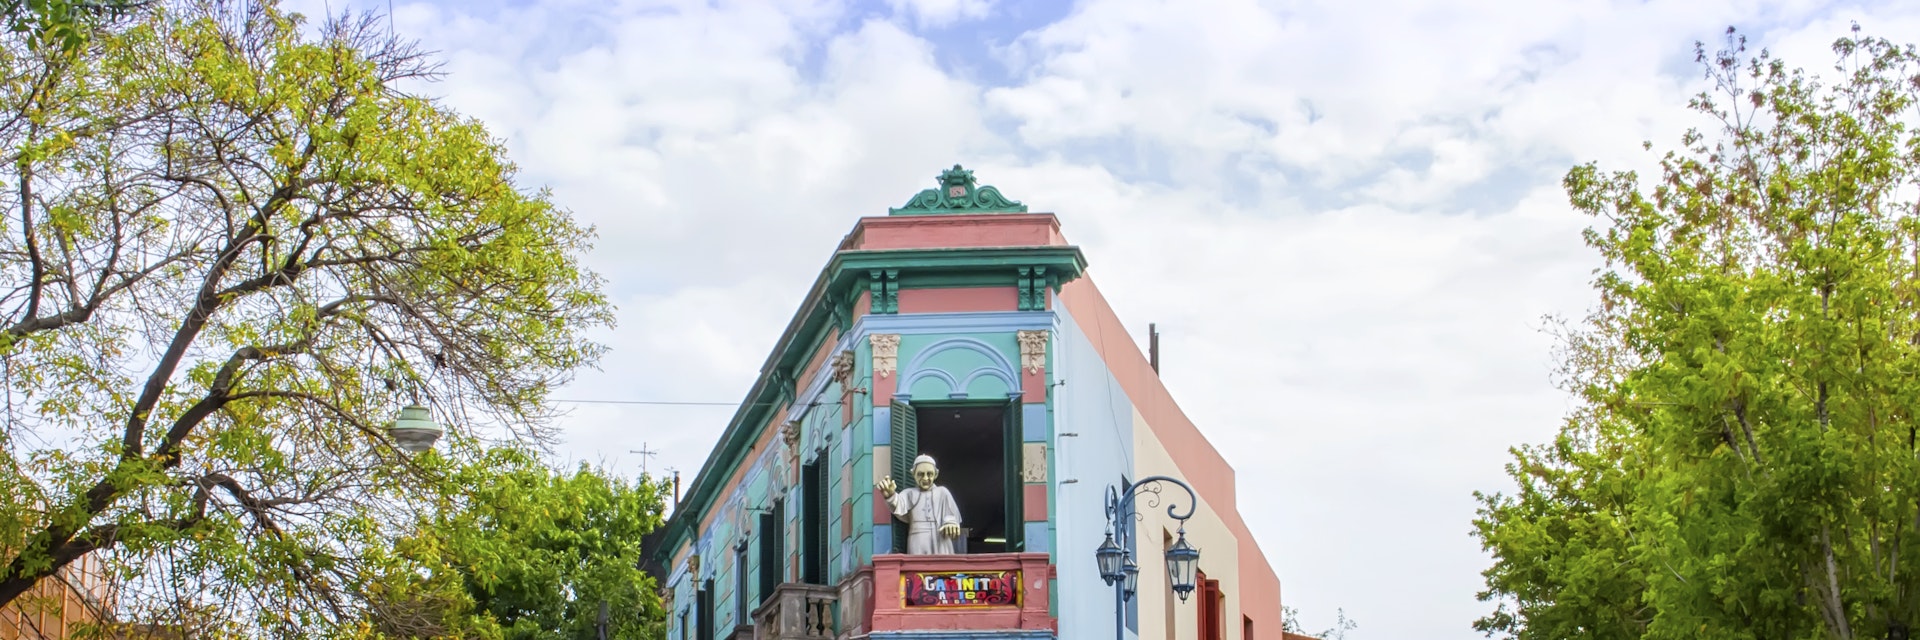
(906, 447)
(1016, 490)
(815, 521)
(906, 442)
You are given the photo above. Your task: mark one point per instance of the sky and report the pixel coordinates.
(1345, 216)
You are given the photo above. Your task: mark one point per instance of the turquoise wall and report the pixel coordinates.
(942, 356)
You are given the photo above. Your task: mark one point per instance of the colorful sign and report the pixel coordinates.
(961, 588)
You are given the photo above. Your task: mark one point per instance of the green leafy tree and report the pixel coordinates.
(1744, 461)
(64, 24)
(526, 554)
(230, 251)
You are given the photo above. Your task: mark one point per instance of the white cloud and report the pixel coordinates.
(1345, 216)
(940, 13)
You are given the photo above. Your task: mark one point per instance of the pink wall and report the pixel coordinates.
(959, 299)
(1200, 464)
(951, 231)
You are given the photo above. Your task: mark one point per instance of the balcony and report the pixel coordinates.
(797, 612)
(993, 591)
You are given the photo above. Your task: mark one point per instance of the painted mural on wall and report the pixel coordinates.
(943, 589)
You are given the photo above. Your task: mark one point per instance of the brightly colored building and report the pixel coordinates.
(75, 597)
(963, 327)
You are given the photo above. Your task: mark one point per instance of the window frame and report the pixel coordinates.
(1013, 449)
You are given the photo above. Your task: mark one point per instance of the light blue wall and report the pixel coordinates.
(1091, 405)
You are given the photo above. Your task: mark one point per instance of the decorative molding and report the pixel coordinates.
(843, 367)
(1033, 350)
(883, 285)
(790, 432)
(997, 367)
(886, 354)
(958, 193)
(957, 322)
(1033, 284)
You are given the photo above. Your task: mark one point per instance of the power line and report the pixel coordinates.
(652, 402)
(677, 404)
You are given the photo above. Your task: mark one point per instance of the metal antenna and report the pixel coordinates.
(644, 454)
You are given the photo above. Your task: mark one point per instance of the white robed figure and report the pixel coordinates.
(932, 517)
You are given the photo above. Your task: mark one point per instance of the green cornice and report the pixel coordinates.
(829, 305)
(958, 193)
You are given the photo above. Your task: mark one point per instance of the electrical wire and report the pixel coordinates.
(669, 403)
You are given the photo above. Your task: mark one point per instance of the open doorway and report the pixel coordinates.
(971, 444)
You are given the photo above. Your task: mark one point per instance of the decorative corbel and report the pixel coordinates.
(790, 432)
(883, 291)
(843, 368)
(1033, 350)
(1033, 284)
(886, 354)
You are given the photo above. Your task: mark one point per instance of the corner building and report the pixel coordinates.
(963, 327)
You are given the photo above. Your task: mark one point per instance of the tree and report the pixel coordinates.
(230, 253)
(1290, 623)
(64, 24)
(526, 554)
(1743, 462)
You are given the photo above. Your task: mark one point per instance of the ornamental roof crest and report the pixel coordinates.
(958, 193)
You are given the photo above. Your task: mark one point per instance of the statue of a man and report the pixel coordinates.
(932, 517)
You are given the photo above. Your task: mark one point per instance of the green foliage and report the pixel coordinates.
(229, 253)
(63, 25)
(526, 554)
(1743, 463)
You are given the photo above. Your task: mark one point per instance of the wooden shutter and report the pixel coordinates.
(1212, 609)
(772, 550)
(1011, 441)
(906, 446)
(814, 523)
(740, 609)
(704, 600)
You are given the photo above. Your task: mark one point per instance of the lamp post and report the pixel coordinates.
(1115, 555)
(415, 431)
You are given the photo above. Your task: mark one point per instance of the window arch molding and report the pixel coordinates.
(997, 367)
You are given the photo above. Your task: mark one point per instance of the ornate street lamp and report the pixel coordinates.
(1182, 560)
(1109, 556)
(415, 431)
(1115, 559)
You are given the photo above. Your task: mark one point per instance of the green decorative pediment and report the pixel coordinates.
(958, 193)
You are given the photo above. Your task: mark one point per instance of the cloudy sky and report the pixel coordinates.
(1344, 215)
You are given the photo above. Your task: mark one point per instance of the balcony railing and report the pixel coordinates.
(797, 612)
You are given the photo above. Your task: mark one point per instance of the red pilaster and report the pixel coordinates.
(883, 387)
(1034, 506)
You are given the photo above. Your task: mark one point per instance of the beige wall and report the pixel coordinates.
(1219, 550)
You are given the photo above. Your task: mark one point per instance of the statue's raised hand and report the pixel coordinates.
(886, 487)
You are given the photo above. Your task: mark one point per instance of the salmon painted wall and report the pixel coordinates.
(926, 232)
(1191, 454)
(959, 299)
